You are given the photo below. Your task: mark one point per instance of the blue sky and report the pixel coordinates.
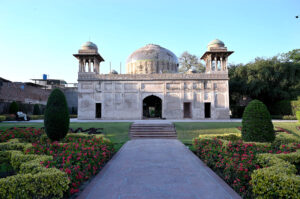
(38, 37)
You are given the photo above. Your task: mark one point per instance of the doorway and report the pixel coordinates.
(98, 110)
(187, 110)
(207, 109)
(152, 107)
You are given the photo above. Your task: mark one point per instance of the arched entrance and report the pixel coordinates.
(152, 106)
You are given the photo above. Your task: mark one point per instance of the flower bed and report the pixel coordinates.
(79, 155)
(235, 161)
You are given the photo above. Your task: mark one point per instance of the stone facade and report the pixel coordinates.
(122, 96)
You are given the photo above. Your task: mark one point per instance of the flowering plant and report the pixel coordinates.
(235, 161)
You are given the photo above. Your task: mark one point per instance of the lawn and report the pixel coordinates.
(187, 131)
(117, 132)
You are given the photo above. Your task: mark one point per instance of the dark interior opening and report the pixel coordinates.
(207, 109)
(152, 106)
(187, 110)
(98, 110)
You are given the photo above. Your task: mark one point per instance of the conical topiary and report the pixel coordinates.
(57, 117)
(257, 124)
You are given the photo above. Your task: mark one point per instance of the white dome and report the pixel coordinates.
(216, 44)
(89, 46)
(152, 58)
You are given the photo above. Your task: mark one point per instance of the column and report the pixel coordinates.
(222, 67)
(84, 63)
(80, 65)
(95, 66)
(216, 64)
(89, 65)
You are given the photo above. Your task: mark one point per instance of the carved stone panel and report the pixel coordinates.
(197, 100)
(219, 100)
(148, 87)
(118, 87)
(98, 96)
(188, 86)
(130, 86)
(130, 101)
(173, 86)
(86, 86)
(108, 86)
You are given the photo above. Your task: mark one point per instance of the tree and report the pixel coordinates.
(269, 80)
(13, 108)
(188, 61)
(257, 124)
(36, 110)
(293, 56)
(57, 117)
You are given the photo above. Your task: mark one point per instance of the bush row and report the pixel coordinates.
(278, 178)
(235, 161)
(33, 180)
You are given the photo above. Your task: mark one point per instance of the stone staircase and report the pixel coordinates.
(152, 130)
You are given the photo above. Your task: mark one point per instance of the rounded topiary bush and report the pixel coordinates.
(13, 108)
(36, 110)
(57, 117)
(257, 124)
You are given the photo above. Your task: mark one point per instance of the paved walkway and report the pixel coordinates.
(156, 168)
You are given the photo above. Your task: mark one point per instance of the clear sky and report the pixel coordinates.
(40, 36)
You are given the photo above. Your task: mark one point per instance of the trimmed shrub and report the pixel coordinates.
(36, 110)
(33, 179)
(256, 124)
(289, 117)
(57, 117)
(13, 108)
(73, 116)
(2, 118)
(277, 179)
(298, 115)
(36, 117)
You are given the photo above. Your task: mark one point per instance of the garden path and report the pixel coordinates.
(156, 168)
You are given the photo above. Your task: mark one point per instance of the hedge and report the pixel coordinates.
(36, 117)
(225, 136)
(2, 118)
(33, 180)
(278, 179)
(14, 146)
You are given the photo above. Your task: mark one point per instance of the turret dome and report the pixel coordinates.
(215, 44)
(89, 46)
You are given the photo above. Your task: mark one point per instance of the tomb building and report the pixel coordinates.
(152, 86)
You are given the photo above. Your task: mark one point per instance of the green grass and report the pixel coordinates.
(117, 132)
(187, 131)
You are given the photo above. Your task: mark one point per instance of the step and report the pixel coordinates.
(148, 130)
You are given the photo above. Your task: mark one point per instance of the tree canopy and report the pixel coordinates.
(267, 79)
(188, 61)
